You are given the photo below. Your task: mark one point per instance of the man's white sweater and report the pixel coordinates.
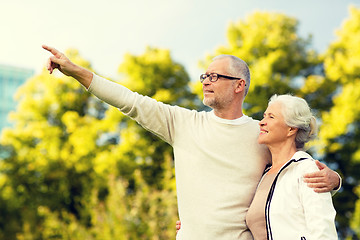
(218, 162)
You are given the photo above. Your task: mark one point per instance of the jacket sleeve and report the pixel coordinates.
(154, 116)
(318, 207)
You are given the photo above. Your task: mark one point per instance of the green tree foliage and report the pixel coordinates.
(277, 56)
(72, 167)
(339, 133)
(43, 167)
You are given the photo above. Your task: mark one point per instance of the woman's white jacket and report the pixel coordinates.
(293, 210)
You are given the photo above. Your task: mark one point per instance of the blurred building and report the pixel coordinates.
(11, 78)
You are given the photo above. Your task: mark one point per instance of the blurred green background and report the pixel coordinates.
(71, 167)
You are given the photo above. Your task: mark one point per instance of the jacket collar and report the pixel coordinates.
(300, 154)
(295, 158)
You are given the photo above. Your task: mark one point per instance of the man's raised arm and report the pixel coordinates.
(61, 62)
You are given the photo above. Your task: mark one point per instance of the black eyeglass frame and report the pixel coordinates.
(216, 76)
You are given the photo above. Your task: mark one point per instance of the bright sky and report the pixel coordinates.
(103, 31)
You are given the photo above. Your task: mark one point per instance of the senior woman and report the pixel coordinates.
(284, 207)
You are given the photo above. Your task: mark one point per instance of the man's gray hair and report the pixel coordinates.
(237, 68)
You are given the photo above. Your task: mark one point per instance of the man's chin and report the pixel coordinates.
(207, 102)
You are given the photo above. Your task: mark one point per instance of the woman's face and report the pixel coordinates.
(273, 128)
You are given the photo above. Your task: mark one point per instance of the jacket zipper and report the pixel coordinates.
(270, 195)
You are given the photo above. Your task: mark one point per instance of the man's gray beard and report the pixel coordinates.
(210, 103)
(217, 104)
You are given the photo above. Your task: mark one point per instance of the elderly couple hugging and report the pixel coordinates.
(224, 188)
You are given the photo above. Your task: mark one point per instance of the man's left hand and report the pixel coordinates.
(324, 180)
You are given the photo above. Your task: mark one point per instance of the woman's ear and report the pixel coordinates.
(292, 131)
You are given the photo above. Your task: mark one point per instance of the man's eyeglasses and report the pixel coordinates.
(213, 77)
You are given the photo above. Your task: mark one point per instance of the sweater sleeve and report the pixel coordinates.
(154, 116)
(333, 192)
(318, 207)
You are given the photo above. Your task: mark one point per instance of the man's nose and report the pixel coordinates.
(206, 81)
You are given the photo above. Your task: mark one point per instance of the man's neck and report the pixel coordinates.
(230, 111)
(230, 115)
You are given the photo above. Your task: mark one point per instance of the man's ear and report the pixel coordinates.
(240, 86)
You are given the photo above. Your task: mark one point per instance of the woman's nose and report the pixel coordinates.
(262, 123)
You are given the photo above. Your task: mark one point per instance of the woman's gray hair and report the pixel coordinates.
(297, 114)
(237, 68)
